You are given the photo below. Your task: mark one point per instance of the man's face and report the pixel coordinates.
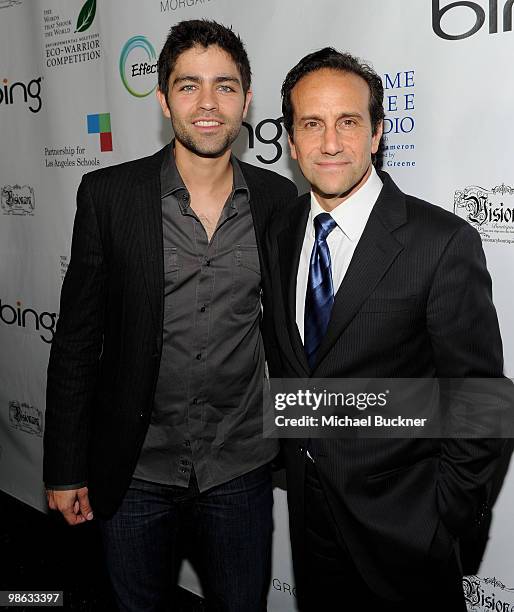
(205, 102)
(332, 133)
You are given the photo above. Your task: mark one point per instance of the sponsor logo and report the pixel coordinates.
(43, 322)
(30, 94)
(101, 124)
(490, 211)
(69, 156)
(86, 16)
(399, 121)
(26, 418)
(268, 132)
(8, 3)
(17, 200)
(484, 594)
(463, 7)
(173, 5)
(284, 587)
(138, 66)
(66, 39)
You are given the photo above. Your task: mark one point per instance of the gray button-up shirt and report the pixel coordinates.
(208, 401)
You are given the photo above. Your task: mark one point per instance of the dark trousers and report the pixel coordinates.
(227, 529)
(332, 580)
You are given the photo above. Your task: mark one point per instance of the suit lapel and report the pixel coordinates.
(148, 199)
(290, 242)
(376, 251)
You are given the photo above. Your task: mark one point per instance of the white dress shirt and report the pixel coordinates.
(351, 217)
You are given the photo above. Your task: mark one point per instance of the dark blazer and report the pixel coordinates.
(105, 356)
(414, 303)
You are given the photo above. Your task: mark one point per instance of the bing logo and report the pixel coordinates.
(101, 124)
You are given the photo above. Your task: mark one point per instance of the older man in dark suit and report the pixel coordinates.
(371, 283)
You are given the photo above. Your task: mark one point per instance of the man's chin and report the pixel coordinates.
(206, 148)
(339, 190)
(334, 191)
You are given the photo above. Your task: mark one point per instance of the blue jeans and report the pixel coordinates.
(225, 531)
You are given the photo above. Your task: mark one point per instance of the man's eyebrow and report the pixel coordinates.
(222, 78)
(186, 77)
(314, 117)
(354, 115)
(309, 117)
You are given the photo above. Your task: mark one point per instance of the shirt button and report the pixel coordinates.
(182, 470)
(199, 356)
(202, 309)
(207, 262)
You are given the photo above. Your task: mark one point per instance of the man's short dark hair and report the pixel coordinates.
(201, 32)
(332, 59)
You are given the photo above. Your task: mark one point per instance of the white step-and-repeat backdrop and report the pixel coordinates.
(77, 81)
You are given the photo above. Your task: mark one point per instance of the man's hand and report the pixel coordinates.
(73, 505)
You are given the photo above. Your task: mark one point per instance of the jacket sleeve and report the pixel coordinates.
(75, 352)
(288, 197)
(466, 344)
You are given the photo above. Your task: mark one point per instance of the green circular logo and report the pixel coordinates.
(138, 73)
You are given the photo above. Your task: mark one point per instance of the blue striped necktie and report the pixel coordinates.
(319, 297)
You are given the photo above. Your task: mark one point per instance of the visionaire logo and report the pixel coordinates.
(138, 65)
(438, 13)
(26, 418)
(488, 210)
(12, 93)
(17, 200)
(101, 124)
(483, 594)
(28, 317)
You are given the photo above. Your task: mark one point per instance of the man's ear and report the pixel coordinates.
(375, 139)
(292, 147)
(248, 99)
(164, 103)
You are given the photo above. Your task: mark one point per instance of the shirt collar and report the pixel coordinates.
(352, 215)
(171, 181)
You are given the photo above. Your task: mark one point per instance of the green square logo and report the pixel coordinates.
(104, 122)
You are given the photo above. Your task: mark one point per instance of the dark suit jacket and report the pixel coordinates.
(105, 356)
(414, 303)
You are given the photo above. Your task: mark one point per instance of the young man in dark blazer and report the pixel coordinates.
(368, 282)
(154, 401)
